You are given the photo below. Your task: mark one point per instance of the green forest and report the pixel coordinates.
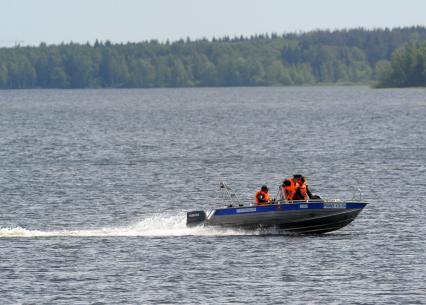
(407, 67)
(385, 57)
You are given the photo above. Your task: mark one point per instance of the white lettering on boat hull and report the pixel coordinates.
(334, 205)
(245, 210)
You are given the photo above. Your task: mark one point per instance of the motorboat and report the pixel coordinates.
(314, 216)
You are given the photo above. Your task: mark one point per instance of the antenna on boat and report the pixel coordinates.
(228, 194)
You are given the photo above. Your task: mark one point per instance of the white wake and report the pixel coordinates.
(152, 226)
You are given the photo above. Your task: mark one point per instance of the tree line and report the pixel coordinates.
(407, 67)
(341, 56)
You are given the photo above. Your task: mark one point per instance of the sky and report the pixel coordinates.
(30, 22)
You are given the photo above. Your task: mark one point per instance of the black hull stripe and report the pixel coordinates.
(345, 212)
(321, 228)
(316, 225)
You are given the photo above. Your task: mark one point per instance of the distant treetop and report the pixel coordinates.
(396, 57)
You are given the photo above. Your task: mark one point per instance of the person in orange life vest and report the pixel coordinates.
(289, 188)
(262, 196)
(303, 192)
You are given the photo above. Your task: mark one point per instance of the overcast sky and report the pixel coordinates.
(56, 21)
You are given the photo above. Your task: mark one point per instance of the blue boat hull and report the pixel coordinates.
(301, 217)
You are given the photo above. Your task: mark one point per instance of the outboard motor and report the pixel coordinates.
(194, 218)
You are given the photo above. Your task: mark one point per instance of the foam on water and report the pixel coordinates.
(155, 225)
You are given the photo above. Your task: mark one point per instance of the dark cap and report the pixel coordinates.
(264, 188)
(286, 182)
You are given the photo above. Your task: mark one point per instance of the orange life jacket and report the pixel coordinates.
(290, 191)
(265, 197)
(303, 191)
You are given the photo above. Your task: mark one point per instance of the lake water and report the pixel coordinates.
(94, 186)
